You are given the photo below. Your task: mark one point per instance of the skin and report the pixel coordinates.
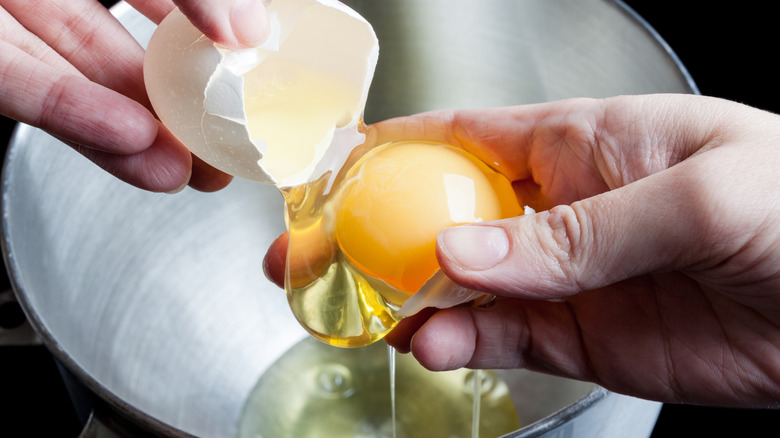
(652, 266)
(69, 68)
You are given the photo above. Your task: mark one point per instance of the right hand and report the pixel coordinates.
(652, 266)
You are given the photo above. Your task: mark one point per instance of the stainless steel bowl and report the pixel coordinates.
(157, 303)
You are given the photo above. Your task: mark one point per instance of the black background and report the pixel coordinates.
(730, 51)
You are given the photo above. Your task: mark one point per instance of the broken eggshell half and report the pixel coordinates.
(199, 91)
(197, 88)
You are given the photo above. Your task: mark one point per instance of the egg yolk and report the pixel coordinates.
(393, 202)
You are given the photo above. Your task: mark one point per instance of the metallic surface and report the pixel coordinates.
(158, 304)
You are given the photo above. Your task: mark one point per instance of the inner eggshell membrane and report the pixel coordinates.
(273, 114)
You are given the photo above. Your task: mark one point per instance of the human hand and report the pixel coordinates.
(69, 68)
(652, 267)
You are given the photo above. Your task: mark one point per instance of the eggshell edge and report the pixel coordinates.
(212, 122)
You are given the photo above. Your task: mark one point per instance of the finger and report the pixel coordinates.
(632, 339)
(206, 178)
(447, 340)
(42, 89)
(535, 335)
(231, 23)
(661, 222)
(400, 337)
(563, 151)
(486, 133)
(275, 259)
(164, 166)
(72, 107)
(499, 337)
(90, 38)
(299, 257)
(524, 143)
(154, 10)
(17, 35)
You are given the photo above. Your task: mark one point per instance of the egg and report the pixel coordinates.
(397, 198)
(369, 244)
(362, 229)
(283, 113)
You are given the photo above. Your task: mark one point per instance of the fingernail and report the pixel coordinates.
(474, 247)
(182, 186)
(249, 22)
(177, 189)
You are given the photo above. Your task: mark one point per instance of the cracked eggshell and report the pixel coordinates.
(439, 292)
(197, 88)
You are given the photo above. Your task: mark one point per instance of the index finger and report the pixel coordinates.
(88, 37)
(497, 136)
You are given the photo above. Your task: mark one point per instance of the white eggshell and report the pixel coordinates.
(196, 87)
(440, 292)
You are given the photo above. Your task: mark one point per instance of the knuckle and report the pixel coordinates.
(54, 105)
(564, 244)
(61, 113)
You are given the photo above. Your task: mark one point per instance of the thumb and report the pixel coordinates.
(233, 23)
(640, 228)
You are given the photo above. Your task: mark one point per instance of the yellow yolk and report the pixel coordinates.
(394, 201)
(295, 109)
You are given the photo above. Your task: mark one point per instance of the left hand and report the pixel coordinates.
(71, 69)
